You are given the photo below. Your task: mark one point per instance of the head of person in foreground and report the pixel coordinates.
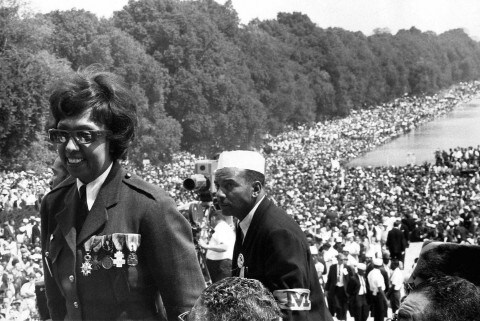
(446, 298)
(235, 299)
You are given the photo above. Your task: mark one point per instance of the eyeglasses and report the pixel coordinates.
(183, 316)
(80, 136)
(409, 287)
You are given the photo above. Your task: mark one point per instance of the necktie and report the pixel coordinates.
(82, 209)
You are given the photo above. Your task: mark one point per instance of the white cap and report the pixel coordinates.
(361, 266)
(242, 159)
(377, 262)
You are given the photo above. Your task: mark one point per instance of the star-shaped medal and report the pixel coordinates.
(86, 268)
(95, 263)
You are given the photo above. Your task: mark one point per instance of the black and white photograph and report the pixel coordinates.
(240, 160)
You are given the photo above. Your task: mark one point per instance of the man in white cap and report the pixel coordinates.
(377, 286)
(270, 246)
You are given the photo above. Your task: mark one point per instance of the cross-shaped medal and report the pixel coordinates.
(119, 261)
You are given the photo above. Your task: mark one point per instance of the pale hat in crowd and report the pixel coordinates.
(242, 159)
(361, 266)
(377, 261)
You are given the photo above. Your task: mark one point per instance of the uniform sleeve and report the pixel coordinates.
(172, 260)
(55, 300)
(287, 267)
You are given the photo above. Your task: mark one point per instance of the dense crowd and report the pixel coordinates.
(307, 177)
(459, 158)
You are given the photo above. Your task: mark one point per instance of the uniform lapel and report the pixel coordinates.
(66, 217)
(107, 197)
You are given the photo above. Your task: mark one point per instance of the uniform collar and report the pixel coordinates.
(94, 187)
(245, 223)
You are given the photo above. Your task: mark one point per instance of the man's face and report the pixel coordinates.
(234, 194)
(413, 308)
(84, 161)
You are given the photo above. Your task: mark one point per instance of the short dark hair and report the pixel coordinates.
(253, 176)
(238, 299)
(111, 102)
(451, 299)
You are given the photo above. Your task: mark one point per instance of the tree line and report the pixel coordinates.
(206, 83)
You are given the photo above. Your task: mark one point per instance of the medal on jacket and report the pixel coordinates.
(96, 246)
(107, 261)
(118, 241)
(133, 242)
(87, 259)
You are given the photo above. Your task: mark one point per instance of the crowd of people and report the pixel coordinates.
(459, 158)
(307, 177)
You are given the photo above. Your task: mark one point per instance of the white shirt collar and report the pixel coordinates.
(94, 187)
(245, 223)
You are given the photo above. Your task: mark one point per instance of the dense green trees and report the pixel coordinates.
(205, 83)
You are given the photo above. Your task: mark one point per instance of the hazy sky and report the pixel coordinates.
(355, 15)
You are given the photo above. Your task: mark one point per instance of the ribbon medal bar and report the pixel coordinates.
(107, 261)
(133, 242)
(96, 246)
(118, 241)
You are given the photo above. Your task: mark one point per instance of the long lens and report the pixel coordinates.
(196, 182)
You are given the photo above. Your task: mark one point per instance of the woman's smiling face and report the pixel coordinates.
(84, 161)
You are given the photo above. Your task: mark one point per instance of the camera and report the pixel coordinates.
(198, 213)
(201, 182)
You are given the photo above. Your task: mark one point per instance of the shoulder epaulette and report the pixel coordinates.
(136, 182)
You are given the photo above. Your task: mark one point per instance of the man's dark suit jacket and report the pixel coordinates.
(396, 242)
(167, 262)
(332, 281)
(353, 286)
(276, 252)
(332, 278)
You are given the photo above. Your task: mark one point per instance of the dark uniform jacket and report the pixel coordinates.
(276, 252)
(167, 279)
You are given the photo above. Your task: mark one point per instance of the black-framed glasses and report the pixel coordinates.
(409, 287)
(60, 136)
(183, 316)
